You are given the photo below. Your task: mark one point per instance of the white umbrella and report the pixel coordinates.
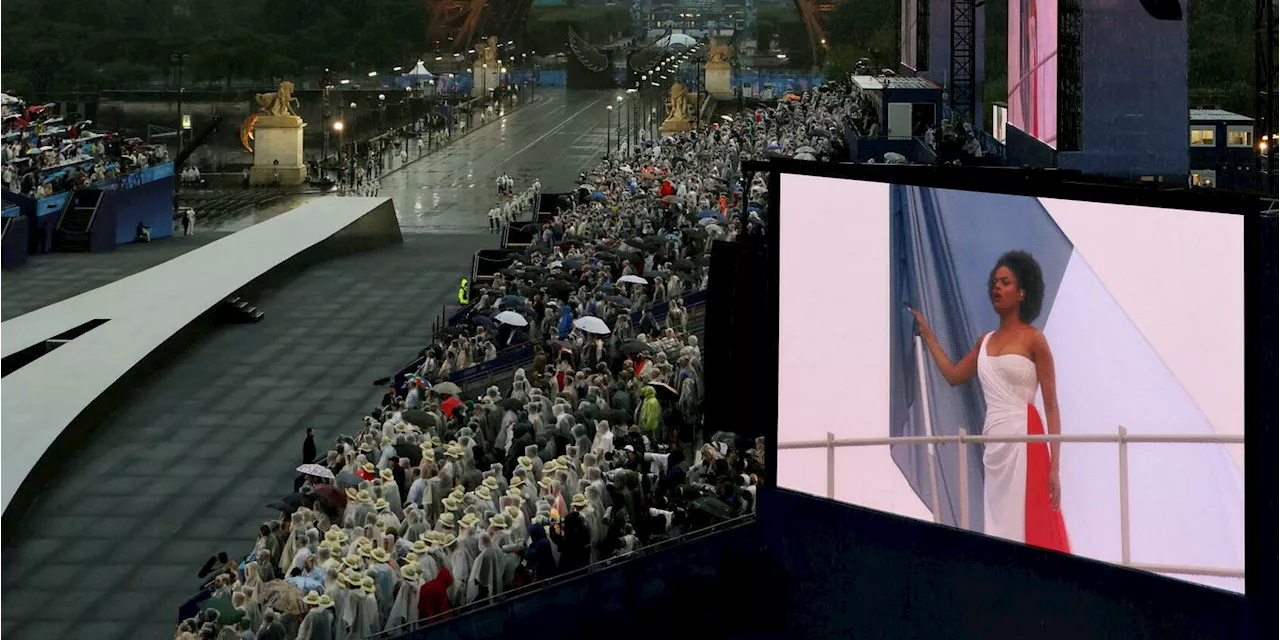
(804, 156)
(806, 149)
(316, 470)
(633, 280)
(592, 324)
(512, 318)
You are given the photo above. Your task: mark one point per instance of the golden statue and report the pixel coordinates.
(678, 105)
(719, 53)
(278, 103)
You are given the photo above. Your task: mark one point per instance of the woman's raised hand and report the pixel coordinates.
(921, 323)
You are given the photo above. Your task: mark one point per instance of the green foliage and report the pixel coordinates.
(781, 28)
(1220, 60)
(118, 43)
(862, 29)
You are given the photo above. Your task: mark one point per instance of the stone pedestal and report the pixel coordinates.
(277, 145)
(676, 124)
(719, 80)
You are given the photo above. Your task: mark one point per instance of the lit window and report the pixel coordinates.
(1202, 136)
(1240, 136)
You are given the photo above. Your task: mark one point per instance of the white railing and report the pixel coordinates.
(1122, 438)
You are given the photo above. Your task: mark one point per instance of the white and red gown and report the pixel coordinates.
(1016, 483)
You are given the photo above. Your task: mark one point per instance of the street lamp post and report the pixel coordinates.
(180, 58)
(618, 124)
(608, 133)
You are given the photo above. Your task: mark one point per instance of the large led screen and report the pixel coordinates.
(1035, 316)
(1033, 68)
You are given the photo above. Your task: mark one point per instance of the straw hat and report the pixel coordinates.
(351, 578)
(363, 542)
(516, 482)
(388, 475)
(410, 571)
(453, 451)
(312, 598)
(367, 585)
(468, 519)
(435, 441)
(365, 552)
(352, 561)
(447, 520)
(336, 534)
(352, 494)
(447, 539)
(380, 554)
(550, 466)
(458, 492)
(431, 537)
(545, 483)
(491, 482)
(412, 557)
(525, 461)
(564, 461)
(419, 546)
(451, 503)
(381, 505)
(515, 492)
(385, 439)
(513, 513)
(369, 468)
(365, 496)
(498, 522)
(482, 492)
(579, 500)
(325, 601)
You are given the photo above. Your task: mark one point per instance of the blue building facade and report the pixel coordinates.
(1222, 149)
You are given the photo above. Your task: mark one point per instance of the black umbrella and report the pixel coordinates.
(559, 288)
(665, 391)
(605, 256)
(633, 346)
(411, 451)
(684, 265)
(482, 321)
(618, 300)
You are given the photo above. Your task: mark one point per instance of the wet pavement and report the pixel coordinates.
(187, 463)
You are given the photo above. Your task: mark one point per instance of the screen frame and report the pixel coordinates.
(1260, 335)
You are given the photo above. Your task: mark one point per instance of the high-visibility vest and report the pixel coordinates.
(462, 292)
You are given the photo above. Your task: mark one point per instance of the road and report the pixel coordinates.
(188, 462)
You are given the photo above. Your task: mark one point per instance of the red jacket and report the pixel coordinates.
(433, 598)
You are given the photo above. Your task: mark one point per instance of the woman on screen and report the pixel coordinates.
(1022, 492)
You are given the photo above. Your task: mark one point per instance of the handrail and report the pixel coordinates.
(1122, 437)
(494, 600)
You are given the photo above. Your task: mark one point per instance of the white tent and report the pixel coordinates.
(420, 70)
(676, 41)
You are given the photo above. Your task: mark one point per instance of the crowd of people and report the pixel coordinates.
(46, 154)
(596, 448)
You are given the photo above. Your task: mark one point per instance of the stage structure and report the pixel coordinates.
(1099, 86)
(457, 26)
(1266, 75)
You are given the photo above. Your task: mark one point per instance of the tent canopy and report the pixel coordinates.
(420, 70)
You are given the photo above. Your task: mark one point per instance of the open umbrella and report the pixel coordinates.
(629, 279)
(633, 346)
(598, 195)
(592, 324)
(805, 156)
(333, 494)
(512, 318)
(670, 199)
(316, 470)
(482, 321)
(703, 215)
(448, 388)
(450, 406)
(347, 479)
(665, 390)
(806, 149)
(707, 221)
(410, 451)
